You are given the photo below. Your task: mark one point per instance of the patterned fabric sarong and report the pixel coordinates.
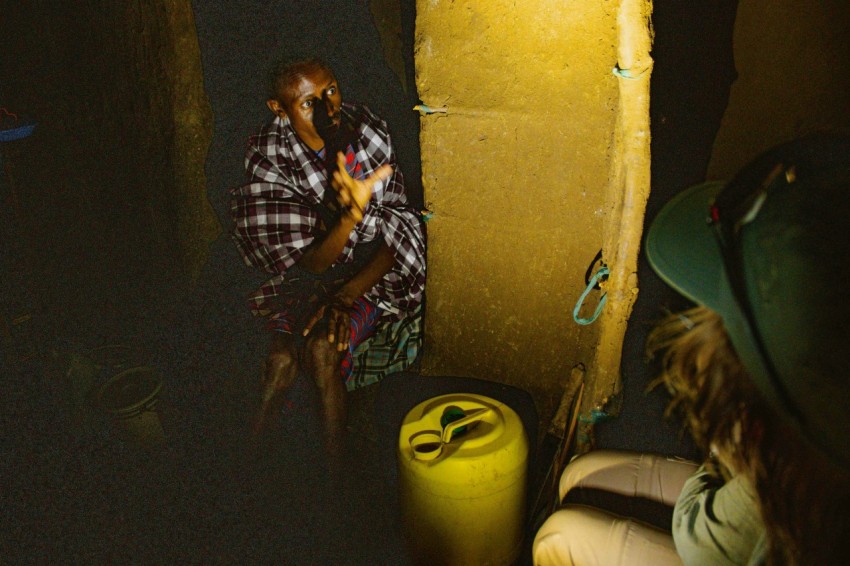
(392, 348)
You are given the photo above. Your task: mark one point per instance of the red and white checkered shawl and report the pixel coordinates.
(275, 218)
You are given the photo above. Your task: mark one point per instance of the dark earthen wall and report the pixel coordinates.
(791, 57)
(111, 182)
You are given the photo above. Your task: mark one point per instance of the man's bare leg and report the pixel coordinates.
(281, 368)
(323, 360)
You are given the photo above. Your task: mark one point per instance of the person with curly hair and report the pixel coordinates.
(758, 371)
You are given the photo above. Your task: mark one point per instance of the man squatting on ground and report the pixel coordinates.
(345, 249)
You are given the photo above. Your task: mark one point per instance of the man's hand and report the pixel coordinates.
(352, 194)
(339, 315)
(339, 320)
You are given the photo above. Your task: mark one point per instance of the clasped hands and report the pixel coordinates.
(338, 310)
(353, 195)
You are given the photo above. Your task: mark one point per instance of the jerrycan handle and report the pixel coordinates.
(469, 419)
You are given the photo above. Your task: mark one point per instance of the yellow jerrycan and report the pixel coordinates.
(462, 476)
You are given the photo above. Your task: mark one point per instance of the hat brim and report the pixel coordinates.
(682, 249)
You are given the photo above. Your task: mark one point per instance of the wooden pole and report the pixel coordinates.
(628, 192)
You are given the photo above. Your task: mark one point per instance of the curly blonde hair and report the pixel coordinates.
(804, 498)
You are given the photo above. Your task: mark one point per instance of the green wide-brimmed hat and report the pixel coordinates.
(778, 276)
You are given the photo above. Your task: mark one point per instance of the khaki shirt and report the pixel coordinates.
(716, 523)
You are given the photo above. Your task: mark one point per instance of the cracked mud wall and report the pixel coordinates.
(519, 174)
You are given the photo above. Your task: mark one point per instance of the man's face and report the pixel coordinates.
(300, 99)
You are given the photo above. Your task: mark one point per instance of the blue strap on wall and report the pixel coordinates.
(603, 272)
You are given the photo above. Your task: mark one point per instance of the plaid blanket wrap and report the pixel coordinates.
(275, 216)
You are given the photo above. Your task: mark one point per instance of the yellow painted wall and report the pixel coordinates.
(520, 176)
(791, 57)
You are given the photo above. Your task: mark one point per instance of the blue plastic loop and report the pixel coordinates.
(603, 272)
(424, 109)
(595, 416)
(13, 129)
(627, 73)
